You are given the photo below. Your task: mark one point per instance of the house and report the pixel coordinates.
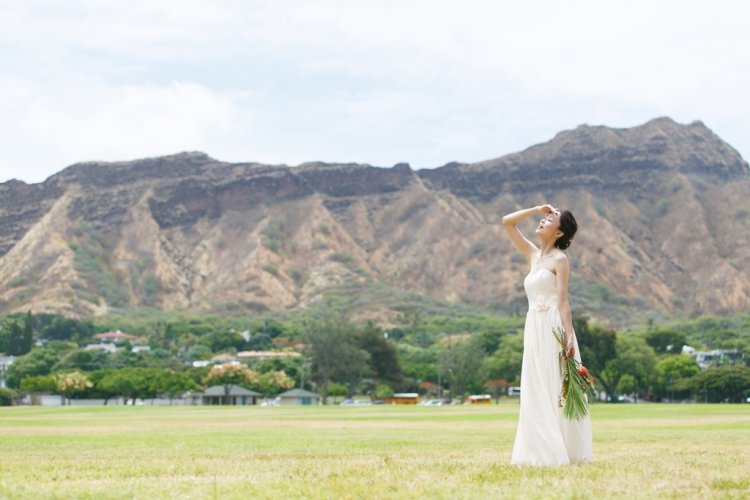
(298, 397)
(261, 355)
(705, 359)
(403, 398)
(221, 359)
(116, 337)
(216, 395)
(107, 347)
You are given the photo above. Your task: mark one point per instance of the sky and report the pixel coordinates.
(377, 82)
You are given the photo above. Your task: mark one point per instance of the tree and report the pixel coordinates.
(383, 392)
(724, 383)
(7, 396)
(627, 384)
(358, 369)
(81, 359)
(198, 351)
(461, 365)
(69, 383)
(16, 344)
(674, 375)
(334, 354)
(229, 374)
(260, 342)
(66, 329)
(634, 357)
(597, 345)
(505, 362)
(666, 341)
(4, 338)
(383, 362)
(273, 382)
(37, 362)
(38, 383)
(271, 328)
(290, 366)
(174, 384)
(27, 336)
(335, 389)
(125, 358)
(417, 364)
(130, 383)
(222, 340)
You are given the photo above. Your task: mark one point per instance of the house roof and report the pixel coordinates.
(268, 354)
(118, 335)
(234, 390)
(298, 393)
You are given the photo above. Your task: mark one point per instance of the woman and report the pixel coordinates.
(544, 435)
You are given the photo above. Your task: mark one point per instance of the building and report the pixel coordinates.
(216, 395)
(298, 397)
(107, 347)
(116, 337)
(480, 399)
(403, 398)
(261, 355)
(718, 357)
(222, 359)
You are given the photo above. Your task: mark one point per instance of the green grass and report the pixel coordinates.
(640, 451)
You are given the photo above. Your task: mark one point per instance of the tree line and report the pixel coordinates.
(437, 356)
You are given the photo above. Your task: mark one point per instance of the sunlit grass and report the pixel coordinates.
(641, 451)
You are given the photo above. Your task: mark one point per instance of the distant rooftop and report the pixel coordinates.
(268, 354)
(117, 336)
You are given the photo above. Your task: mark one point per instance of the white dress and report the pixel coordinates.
(544, 435)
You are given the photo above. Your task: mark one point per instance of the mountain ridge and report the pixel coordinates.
(187, 231)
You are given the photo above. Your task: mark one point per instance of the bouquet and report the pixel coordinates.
(578, 384)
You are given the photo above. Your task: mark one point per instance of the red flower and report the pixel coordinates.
(583, 371)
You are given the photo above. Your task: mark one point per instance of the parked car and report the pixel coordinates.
(354, 402)
(432, 402)
(514, 391)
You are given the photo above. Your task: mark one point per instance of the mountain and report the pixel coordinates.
(662, 210)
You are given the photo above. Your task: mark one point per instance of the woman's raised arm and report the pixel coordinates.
(510, 222)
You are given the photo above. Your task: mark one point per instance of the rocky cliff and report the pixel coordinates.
(662, 209)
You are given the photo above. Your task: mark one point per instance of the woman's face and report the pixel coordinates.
(549, 227)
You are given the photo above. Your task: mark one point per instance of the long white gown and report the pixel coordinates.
(544, 435)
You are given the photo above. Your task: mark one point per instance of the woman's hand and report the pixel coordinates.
(546, 209)
(570, 348)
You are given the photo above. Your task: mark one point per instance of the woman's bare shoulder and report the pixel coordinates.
(560, 260)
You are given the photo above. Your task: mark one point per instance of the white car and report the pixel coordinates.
(432, 402)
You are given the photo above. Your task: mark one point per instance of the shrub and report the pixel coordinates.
(7, 396)
(274, 235)
(383, 391)
(271, 269)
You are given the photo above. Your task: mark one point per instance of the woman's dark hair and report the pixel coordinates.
(568, 226)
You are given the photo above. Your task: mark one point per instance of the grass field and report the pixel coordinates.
(640, 451)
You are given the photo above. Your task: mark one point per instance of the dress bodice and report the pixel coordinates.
(541, 289)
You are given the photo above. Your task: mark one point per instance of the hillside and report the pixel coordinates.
(662, 208)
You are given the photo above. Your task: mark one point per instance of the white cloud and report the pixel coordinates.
(73, 124)
(379, 82)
